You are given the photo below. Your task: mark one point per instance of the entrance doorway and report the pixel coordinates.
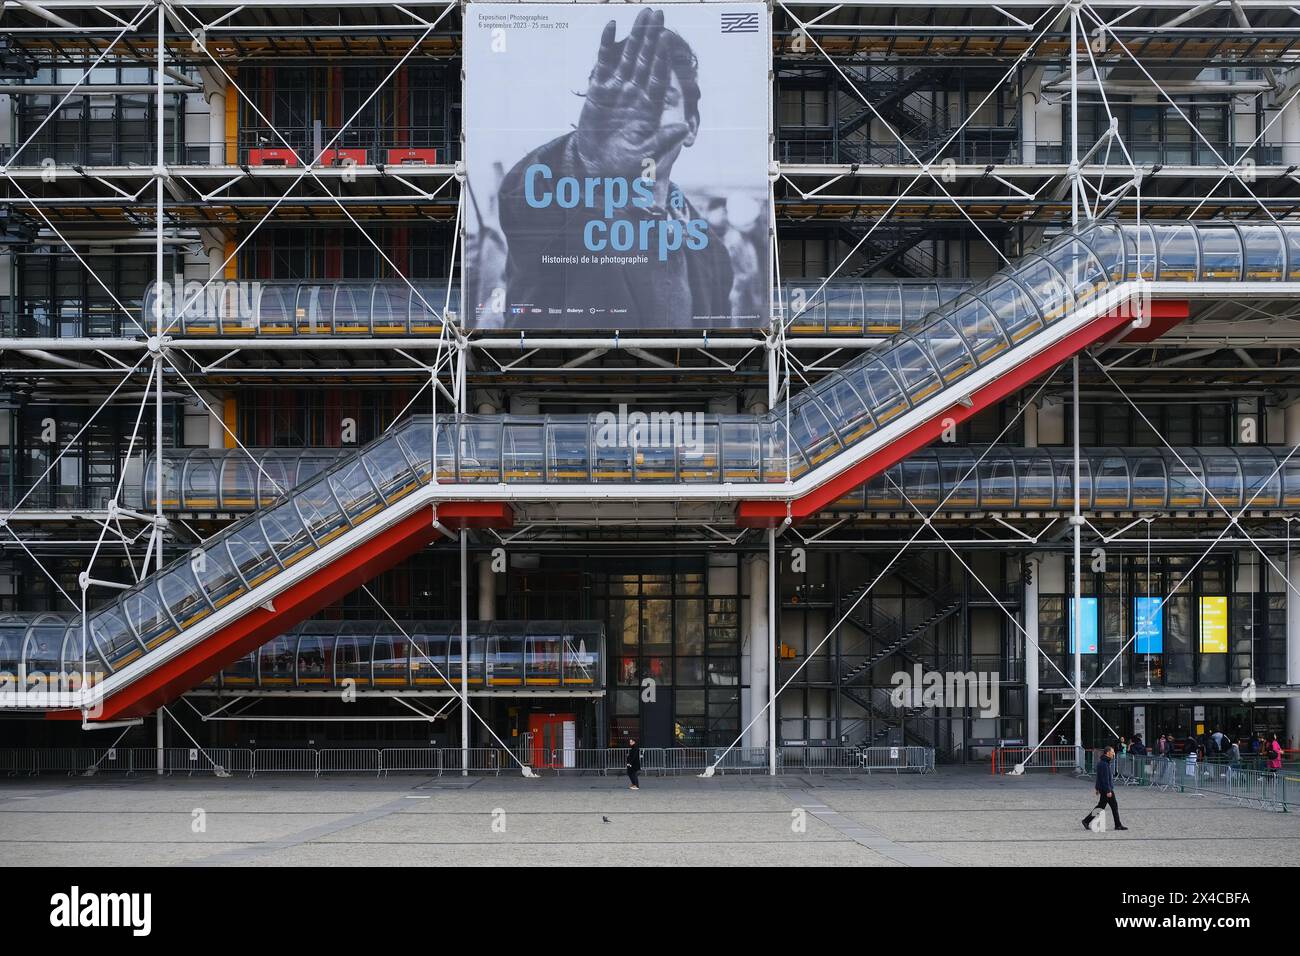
(554, 739)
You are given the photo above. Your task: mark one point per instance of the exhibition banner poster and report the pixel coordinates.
(616, 161)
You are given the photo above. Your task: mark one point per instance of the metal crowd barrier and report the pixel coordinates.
(1278, 789)
(1054, 758)
(655, 761)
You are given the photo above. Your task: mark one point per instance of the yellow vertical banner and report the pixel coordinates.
(230, 417)
(1214, 625)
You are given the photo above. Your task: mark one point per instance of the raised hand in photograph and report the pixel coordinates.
(631, 94)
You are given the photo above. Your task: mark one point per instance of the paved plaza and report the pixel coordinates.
(956, 817)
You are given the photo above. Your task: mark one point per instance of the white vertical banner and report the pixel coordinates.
(570, 743)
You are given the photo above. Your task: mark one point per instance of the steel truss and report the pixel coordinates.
(1087, 41)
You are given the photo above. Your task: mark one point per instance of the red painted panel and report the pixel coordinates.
(272, 156)
(413, 156)
(475, 514)
(1165, 315)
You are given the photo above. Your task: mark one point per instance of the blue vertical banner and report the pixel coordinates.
(1148, 625)
(1089, 643)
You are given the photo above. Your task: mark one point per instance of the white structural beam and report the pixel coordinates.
(759, 650)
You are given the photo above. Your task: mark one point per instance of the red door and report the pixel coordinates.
(550, 746)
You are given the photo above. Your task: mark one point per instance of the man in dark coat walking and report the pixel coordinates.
(1105, 788)
(634, 763)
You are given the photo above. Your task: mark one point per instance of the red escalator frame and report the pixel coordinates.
(769, 514)
(291, 607)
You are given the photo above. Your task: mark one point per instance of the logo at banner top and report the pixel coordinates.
(740, 23)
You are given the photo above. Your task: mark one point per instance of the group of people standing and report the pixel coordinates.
(1217, 746)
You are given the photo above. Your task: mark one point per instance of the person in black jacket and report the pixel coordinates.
(633, 763)
(1105, 788)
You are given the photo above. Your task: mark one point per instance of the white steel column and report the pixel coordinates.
(487, 579)
(773, 615)
(759, 649)
(1031, 651)
(1030, 606)
(216, 117)
(158, 738)
(1293, 601)
(1290, 132)
(1077, 518)
(464, 652)
(1293, 645)
(159, 175)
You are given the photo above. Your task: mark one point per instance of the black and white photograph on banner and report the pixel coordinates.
(617, 166)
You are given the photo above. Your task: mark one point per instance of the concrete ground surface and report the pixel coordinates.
(955, 817)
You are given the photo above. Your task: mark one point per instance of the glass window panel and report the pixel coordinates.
(1292, 233)
(285, 530)
(1014, 310)
(947, 350)
(884, 306)
(1185, 477)
(810, 430)
(983, 332)
(1035, 482)
(1107, 243)
(656, 627)
(907, 360)
(321, 512)
(1224, 479)
(997, 482)
(1178, 252)
(1083, 274)
(389, 469)
(521, 458)
(251, 553)
(921, 481)
(113, 636)
(1111, 484)
(740, 451)
(698, 454)
(566, 452)
(844, 307)
(1265, 252)
(277, 661)
(351, 485)
(1263, 482)
(144, 609)
(690, 626)
(874, 383)
(1140, 246)
(182, 595)
(1148, 483)
(850, 412)
(1046, 288)
(960, 484)
(1221, 255)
